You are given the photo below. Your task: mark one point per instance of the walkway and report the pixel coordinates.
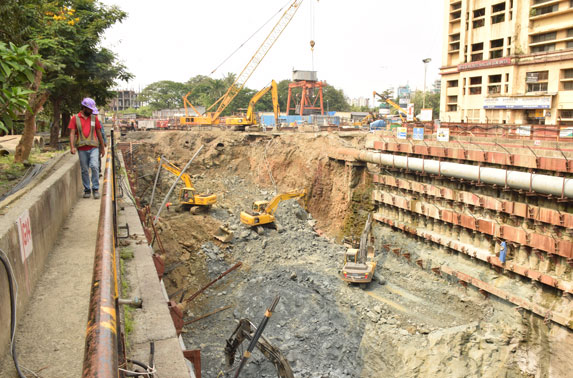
(50, 337)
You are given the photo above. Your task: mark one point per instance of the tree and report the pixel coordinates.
(164, 94)
(66, 34)
(17, 67)
(432, 101)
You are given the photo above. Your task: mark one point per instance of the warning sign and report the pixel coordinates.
(25, 235)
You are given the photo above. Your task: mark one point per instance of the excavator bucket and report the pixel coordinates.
(223, 234)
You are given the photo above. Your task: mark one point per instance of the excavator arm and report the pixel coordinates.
(273, 204)
(251, 109)
(364, 241)
(176, 171)
(245, 331)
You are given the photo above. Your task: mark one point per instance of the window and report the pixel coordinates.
(478, 23)
(496, 19)
(570, 45)
(545, 10)
(496, 88)
(455, 46)
(476, 80)
(543, 37)
(477, 47)
(479, 13)
(456, 15)
(500, 7)
(477, 57)
(569, 32)
(566, 113)
(496, 43)
(452, 99)
(456, 6)
(496, 54)
(452, 83)
(455, 37)
(475, 85)
(542, 48)
(567, 79)
(506, 77)
(452, 108)
(537, 81)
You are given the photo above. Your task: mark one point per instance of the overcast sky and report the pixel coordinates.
(361, 45)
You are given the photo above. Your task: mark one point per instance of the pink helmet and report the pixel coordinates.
(91, 104)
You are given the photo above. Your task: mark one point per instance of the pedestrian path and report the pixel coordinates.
(50, 336)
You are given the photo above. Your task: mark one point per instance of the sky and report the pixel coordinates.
(361, 46)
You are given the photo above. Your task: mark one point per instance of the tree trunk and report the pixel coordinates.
(55, 130)
(65, 122)
(36, 101)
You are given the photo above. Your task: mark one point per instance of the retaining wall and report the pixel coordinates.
(48, 203)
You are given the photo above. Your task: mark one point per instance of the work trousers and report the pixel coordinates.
(89, 161)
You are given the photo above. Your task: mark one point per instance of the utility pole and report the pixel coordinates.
(426, 61)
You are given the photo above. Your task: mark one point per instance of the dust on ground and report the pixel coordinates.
(415, 324)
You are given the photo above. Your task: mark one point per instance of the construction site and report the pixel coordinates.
(302, 243)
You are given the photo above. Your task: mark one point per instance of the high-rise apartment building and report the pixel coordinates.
(508, 61)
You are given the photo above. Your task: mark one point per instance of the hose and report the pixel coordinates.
(13, 295)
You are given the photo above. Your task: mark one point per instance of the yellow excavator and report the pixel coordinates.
(359, 264)
(188, 196)
(263, 211)
(250, 118)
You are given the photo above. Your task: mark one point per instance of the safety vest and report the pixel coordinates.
(90, 140)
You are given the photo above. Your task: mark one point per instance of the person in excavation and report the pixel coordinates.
(89, 143)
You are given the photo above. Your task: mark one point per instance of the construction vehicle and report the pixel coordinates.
(188, 196)
(246, 331)
(250, 118)
(263, 211)
(212, 118)
(395, 106)
(359, 264)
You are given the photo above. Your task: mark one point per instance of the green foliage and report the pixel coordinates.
(432, 101)
(17, 66)
(164, 94)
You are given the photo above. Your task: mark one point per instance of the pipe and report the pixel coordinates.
(101, 346)
(545, 184)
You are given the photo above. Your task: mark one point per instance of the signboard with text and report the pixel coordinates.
(525, 102)
(402, 132)
(418, 133)
(484, 64)
(426, 115)
(566, 132)
(443, 134)
(25, 235)
(410, 109)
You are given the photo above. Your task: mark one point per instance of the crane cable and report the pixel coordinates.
(248, 39)
(312, 24)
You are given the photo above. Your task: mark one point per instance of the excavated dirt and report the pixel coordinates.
(408, 323)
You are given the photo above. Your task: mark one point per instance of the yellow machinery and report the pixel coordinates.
(187, 195)
(263, 211)
(359, 264)
(395, 106)
(212, 118)
(250, 118)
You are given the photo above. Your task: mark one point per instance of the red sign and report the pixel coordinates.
(25, 234)
(484, 64)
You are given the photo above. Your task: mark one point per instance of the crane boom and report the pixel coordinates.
(256, 59)
(394, 105)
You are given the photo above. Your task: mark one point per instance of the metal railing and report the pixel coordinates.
(103, 344)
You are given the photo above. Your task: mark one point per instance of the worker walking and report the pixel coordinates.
(85, 134)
